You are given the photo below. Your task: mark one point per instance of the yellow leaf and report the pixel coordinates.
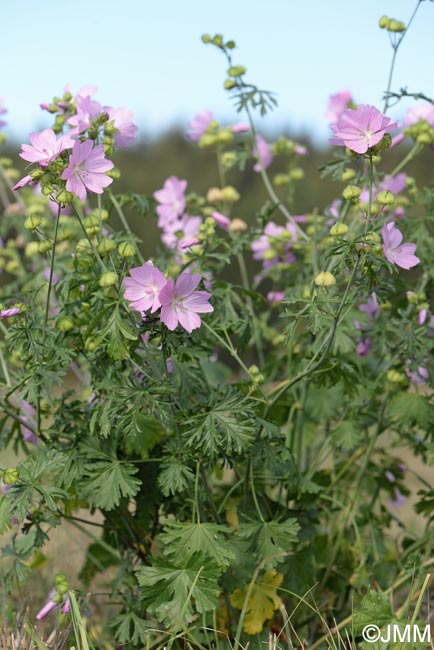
(231, 513)
(262, 603)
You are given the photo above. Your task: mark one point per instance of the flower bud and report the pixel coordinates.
(207, 140)
(325, 279)
(382, 23)
(217, 40)
(386, 198)
(206, 38)
(65, 197)
(395, 26)
(395, 377)
(126, 249)
(31, 249)
(225, 136)
(351, 192)
(339, 229)
(106, 246)
(33, 221)
(108, 279)
(64, 324)
(91, 344)
(281, 179)
(237, 226)
(230, 45)
(230, 194)
(83, 247)
(424, 138)
(214, 195)
(10, 476)
(114, 173)
(229, 158)
(347, 175)
(237, 71)
(45, 246)
(229, 84)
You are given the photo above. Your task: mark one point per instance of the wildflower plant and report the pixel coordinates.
(243, 434)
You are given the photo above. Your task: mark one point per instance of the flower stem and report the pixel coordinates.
(77, 214)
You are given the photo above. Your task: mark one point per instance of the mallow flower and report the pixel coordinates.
(337, 104)
(122, 121)
(403, 255)
(3, 110)
(199, 124)
(361, 128)
(143, 287)
(181, 303)
(172, 202)
(45, 147)
(263, 153)
(87, 170)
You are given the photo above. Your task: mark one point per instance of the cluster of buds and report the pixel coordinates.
(392, 25)
(421, 132)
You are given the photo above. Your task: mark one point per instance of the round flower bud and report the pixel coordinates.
(373, 237)
(325, 279)
(217, 40)
(10, 476)
(106, 246)
(225, 136)
(376, 159)
(347, 175)
(83, 247)
(66, 234)
(65, 197)
(108, 279)
(126, 249)
(64, 324)
(339, 229)
(254, 370)
(396, 26)
(229, 158)
(230, 45)
(382, 23)
(33, 221)
(297, 173)
(237, 71)
(207, 140)
(230, 194)
(206, 38)
(237, 226)
(114, 173)
(386, 198)
(12, 266)
(424, 138)
(91, 344)
(351, 192)
(281, 179)
(395, 377)
(100, 214)
(31, 249)
(45, 246)
(229, 84)
(214, 195)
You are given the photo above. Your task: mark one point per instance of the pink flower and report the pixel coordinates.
(221, 220)
(122, 120)
(143, 287)
(371, 307)
(45, 147)
(86, 170)
(275, 296)
(199, 124)
(337, 104)
(181, 304)
(262, 152)
(422, 316)
(363, 346)
(26, 180)
(87, 111)
(28, 416)
(403, 255)
(274, 246)
(240, 128)
(361, 128)
(420, 111)
(181, 233)
(171, 199)
(8, 313)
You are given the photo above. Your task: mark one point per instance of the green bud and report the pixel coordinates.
(395, 377)
(5, 163)
(424, 138)
(217, 40)
(281, 179)
(10, 476)
(33, 221)
(108, 279)
(45, 246)
(64, 324)
(351, 192)
(347, 175)
(230, 194)
(382, 23)
(83, 247)
(339, 229)
(297, 173)
(237, 226)
(254, 370)
(225, 136)
(91, 344)
(31, 249)
(373, 238)
(114, 173)
(126, 249)
(65, 197)
(229, 158)
(230, 45)
(206, 38)
(325, 279)
(207, 140)
(396, 26)
(386, 198)
(237, 71)
(106, 246)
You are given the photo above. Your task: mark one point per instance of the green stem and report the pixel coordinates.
(5, 369)
(414, 151)
(124, 221)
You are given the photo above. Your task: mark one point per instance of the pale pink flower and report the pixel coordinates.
(8, 313)
(274, 246)
(337, 104)
(275, 296)
(371, 307)
(122, 120)
(87, 111)
(262, 152)
(182, 232)
(3, 110)
(171, 199)
(182, 304)
(221, 220)
(361, 128)
(363, 346)
(28, 415)
(199, 124)
(45, 147)
(422, 316)
(26, 180)
(240, 128)
(420, 111)
(143, 287)
(403, 255)
(87, 170)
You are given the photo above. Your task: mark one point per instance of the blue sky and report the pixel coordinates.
(148, 57)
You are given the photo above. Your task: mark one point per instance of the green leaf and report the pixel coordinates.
(374, 609)
(408, 409)
(107, 481)
(172, 592)
(5, 515)
(129, 628)
(345, 436)
(184, 539)
(269, 540)
(175, 477)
